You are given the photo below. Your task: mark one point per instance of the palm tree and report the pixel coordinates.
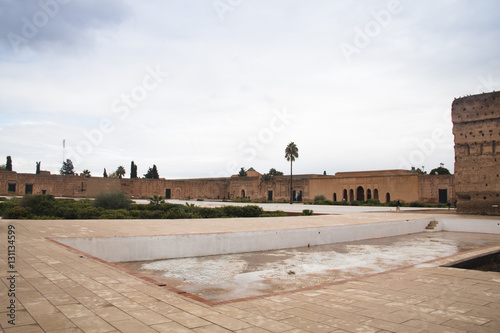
(156, 200)
(291, 153)
(120, 171)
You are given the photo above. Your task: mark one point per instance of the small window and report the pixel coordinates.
(28, 189)
(11, 187)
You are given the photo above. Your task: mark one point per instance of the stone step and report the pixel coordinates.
(432, 225)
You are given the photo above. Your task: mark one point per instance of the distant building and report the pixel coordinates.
(386, 185)
(476, 127)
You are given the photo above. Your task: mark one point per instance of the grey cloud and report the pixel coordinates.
(56, 25)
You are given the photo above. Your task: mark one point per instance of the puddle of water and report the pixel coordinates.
(226, 277)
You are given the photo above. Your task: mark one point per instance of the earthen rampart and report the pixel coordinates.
(386, 185)
(476, 127)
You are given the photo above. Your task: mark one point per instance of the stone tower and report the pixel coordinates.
(476, 127)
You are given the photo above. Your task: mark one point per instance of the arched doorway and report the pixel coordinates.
(375, 194)
(243, 194)
(297, 196)
(345, 195)
(368, 194)
(387, 197)
(351, 195)
(360, 193)
(334, 196)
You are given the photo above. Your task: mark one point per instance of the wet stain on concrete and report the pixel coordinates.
(227, 277)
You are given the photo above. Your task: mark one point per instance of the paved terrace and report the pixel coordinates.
(60, 290)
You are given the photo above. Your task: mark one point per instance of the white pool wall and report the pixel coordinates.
(139, 248)
(470, 225)
(117, 249)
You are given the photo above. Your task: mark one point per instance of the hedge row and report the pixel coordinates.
(372, 202)
(47, 207)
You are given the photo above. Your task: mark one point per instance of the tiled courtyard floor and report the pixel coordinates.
(59, 290)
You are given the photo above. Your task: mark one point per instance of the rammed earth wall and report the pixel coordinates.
(386, 185)
(476, 127)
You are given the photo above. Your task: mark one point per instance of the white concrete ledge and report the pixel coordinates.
(117, 249)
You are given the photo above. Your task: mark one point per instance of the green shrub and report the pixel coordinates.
(323, 202)
(68, 213)
(245, 211)
(251, 211)
(231, 211)
(210, 213)
(417, 204)
(41, 205)
(87, 213)
(274, 213)
(241, 200)
(112, 200)
(15, 212)
(319, 197)
(372, 202)
(200, 199)
(115, 214)
(177, 213)
(147, 214)
(307, 212)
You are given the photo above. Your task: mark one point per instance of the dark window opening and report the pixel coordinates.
(297, 196)
(443, 196)
(28, 189)
(11, 187)
(360, 193)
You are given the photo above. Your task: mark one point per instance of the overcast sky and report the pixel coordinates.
(203, 88)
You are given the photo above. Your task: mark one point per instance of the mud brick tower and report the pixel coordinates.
(476, 127)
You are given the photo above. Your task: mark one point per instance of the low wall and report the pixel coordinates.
(118, 249)
(470, 225)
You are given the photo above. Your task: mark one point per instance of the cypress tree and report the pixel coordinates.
(8, 167)
(133, 170)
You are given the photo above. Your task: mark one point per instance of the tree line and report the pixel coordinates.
(67, 169)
